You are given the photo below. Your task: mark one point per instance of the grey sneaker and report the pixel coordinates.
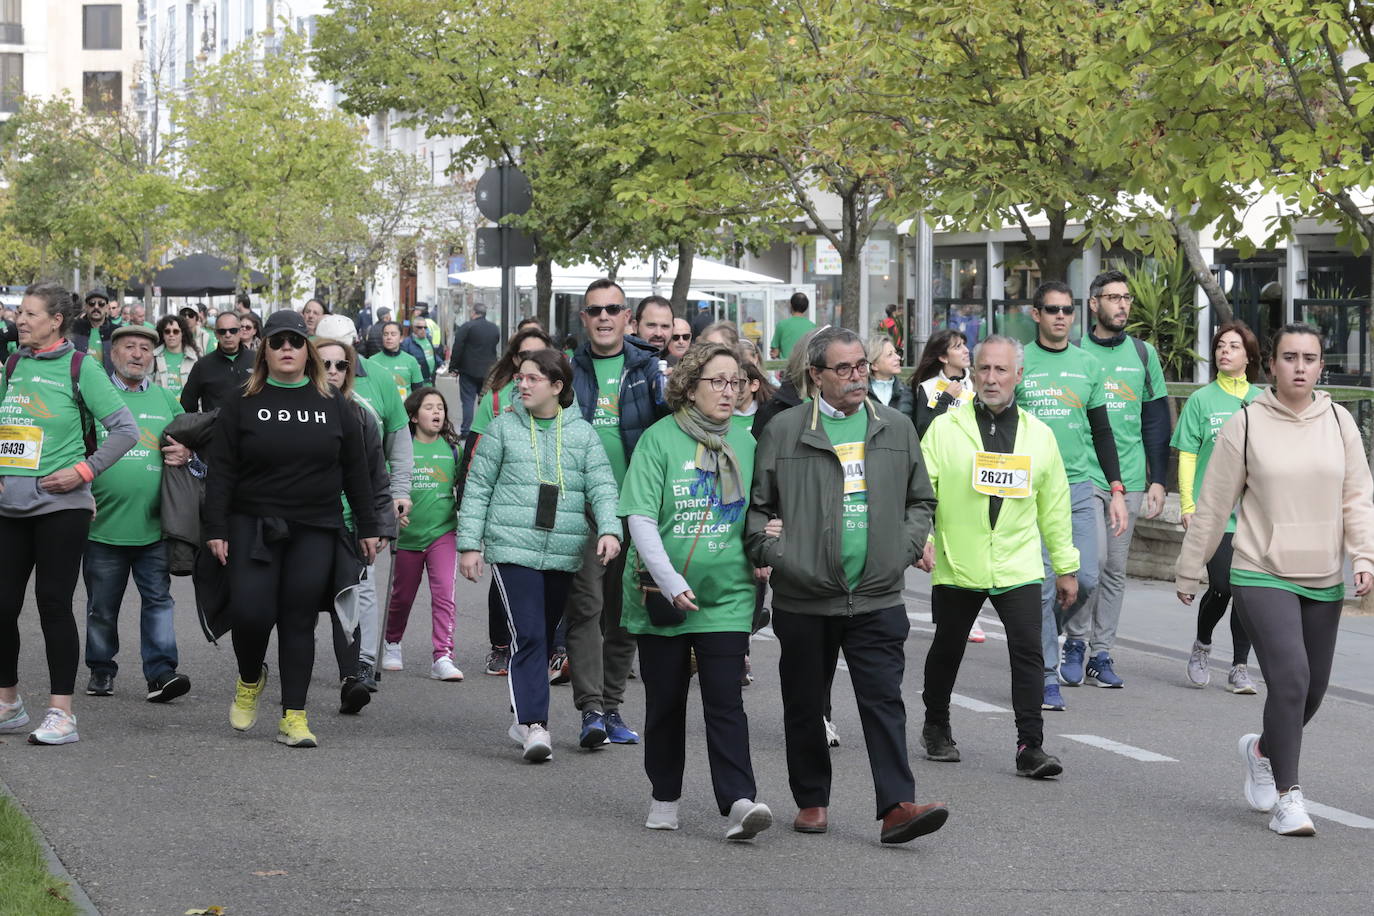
(12, 716)
(1260, 790)
(1199, 675)
(58, 728)
(1238, 681)
(1290, 815)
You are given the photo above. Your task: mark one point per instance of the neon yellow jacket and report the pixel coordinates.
(968, 552)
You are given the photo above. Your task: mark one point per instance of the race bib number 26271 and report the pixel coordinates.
(1007, 476)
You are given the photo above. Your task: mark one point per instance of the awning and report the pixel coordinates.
(199, 275)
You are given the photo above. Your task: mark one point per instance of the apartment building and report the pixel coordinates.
(90, 51)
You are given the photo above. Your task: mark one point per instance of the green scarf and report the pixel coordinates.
(717, 467)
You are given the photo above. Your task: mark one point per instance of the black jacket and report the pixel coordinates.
(81, 338)
(641, 389)
(901, 395)
(473, 349)
(215, 380)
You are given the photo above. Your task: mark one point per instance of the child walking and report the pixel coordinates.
(428, 541)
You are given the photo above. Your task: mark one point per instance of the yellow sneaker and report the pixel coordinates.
(243, 712)
(293, 731)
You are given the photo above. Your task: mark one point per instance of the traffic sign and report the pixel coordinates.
(503, 191)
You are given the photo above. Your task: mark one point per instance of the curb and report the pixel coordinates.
(79, 899)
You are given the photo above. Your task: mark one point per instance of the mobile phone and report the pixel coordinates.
(546, 510)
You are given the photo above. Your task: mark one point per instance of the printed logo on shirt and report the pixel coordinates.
(292, 416)
(1119, 388)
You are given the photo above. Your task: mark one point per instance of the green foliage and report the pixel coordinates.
(1165, 311)
(29, 887)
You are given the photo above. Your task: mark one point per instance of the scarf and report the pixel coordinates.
(718, 474)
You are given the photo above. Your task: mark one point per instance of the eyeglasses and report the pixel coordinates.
(1114, 298)
(331, 364)
(720, 384)
(845, 370)
(531, 379)
(277, 341)
(225, 332)
(1057, 309)
(248, 330)
(172, 330)
(681, 337)
(596, 310)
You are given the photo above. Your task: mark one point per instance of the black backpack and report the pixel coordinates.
(87, 421)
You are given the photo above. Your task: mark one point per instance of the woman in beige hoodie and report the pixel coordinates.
(1294, 461)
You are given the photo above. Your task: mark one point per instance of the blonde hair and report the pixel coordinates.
(687, 372)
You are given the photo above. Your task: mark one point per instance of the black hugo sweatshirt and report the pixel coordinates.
(288, 453)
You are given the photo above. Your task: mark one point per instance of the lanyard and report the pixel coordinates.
(558, 449)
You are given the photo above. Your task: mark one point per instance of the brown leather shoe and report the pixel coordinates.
(811, 820)
(908, 820)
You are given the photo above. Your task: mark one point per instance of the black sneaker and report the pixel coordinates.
(368, 676)
(1034, 763)
(168, 687)
(353, 696)
(939, 743)
(101, 684)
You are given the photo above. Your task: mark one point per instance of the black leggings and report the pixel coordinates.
(284, 591)
(1212, 607)
(52, 545)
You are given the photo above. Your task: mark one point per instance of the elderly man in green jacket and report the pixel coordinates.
(1001, 487)
(839, 560)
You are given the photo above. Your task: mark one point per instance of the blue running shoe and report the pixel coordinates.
(1100, 671)
(1071, 669)
(617, 731)
(1053, 698)
(593, 729)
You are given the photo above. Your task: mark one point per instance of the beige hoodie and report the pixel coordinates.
(1305, 495)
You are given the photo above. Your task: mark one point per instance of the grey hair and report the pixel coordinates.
(820, 342)
(1012, 342)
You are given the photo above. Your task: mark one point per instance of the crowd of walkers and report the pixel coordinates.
(644, 494)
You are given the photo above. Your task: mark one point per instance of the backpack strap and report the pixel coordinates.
(1144, 353)
(10, 365)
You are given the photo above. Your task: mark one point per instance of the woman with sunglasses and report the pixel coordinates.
(175, 355)
(537, 469)
(250, 329)
(686, 594)
(282, 453)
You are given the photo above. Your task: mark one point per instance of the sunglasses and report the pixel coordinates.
(277, 341)
(681, 337)
(596, 310)
(527, 354)
(1058, 309)
(331, 364)
(226, 332)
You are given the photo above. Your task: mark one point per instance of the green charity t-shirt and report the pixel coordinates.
(381, 399)
(40, 421)
(174, 380)
(703, 544)
(847, 436)
(606, 414)
(743, 421)
(434, 510)
(485, 412)
(128, 496)
(1059, 388)
(428, 349)
(95, 345)
(1123, 383)
(788, 332)
(1199, 423)
(403, 368)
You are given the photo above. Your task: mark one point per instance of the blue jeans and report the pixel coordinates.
(1089, 530)
(468, 389)
(106, 568)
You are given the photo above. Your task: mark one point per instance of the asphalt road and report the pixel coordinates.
(423, 805)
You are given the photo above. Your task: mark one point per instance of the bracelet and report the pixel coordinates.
(1118, 488)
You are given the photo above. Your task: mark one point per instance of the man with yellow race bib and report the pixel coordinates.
(1000, 488)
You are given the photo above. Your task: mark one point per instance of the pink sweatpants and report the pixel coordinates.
(440, 560)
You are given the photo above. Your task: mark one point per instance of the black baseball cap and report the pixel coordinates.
(282, 321)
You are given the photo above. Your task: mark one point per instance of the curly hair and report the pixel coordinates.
(687, 372)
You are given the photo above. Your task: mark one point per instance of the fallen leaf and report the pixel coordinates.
(208, 911)
(269, 874)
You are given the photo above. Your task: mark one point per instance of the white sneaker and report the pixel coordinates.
(444, 669)
(1199, 675)
(12, 716)
(391, 656)
(748, 819)
(976, 634)
(1260, 791)
(538, 744)
(832, 734)
(518, 733)
(58, 728)
(662, 815)
(1290, 815)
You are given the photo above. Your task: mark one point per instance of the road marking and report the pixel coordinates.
(765, 633)
(919, 619)
(1116, 747)
(1339, 816)
(975, 705)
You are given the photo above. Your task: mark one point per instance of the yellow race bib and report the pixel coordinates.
(21, 447)
(851, 455)
(1007, 476)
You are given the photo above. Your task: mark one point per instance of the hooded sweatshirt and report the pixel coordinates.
(1305, 495)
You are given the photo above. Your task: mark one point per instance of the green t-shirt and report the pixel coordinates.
(606, 415)
(383, 400)
(1199, 423)
(403, 368)
(743, 421)
(128, 496)
(427, 348)
(1264, 580)
(485, 413)
(1123, 382)
(40, 421)
(704, 545)
(847, 436)
(95, 346)
(788, 332)
(434, 510)
(174, 379)
(1059, 388)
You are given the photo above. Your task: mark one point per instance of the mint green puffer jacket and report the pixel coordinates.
(503, 489)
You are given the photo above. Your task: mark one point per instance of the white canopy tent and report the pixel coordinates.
(639, 275)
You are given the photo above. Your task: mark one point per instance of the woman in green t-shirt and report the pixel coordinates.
(428, 540)
(175, 355)
(689, 590)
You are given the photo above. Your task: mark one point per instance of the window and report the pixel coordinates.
(223, 26)
(102, 90)
(11, 81)
(101, 27)
(247, 18)
(11, 22)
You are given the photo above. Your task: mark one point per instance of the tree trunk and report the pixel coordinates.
(1054, 255)
(1202, 271)
(543, 290)
(686, 253)
(851, 264)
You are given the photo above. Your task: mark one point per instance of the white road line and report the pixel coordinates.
(1116, 747)
(975, 705)
(1339, 816)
